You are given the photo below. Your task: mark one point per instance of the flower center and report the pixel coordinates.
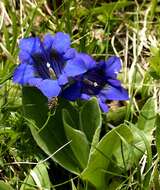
(40, 64)
(48, 65)
(94, 80)
(56, 62)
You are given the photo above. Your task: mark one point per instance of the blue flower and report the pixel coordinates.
(48, 64)
(56, 69)
(100, 80)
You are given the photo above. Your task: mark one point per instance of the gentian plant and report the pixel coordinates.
(58, 70)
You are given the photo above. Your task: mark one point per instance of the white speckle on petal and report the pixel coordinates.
(48, 65)
(95, 84)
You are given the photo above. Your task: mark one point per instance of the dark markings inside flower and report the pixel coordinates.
(56, 69)
(49, 64)
(100, 81)
(43, 62)
(57, 62)
(41, 65)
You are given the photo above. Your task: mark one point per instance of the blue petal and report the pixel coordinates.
(48, 41)
(73, 92)
(88, 60)
(62, 80)
(25, 57)
(103, 105)
(112, 66)
(50, 88)
(114, 82)
(70, 54)
(30, 44)
(85, 96)
(35, 81)
(113, 93)
(23, 73)
(28, 47)
(75, 67)
(61, 42)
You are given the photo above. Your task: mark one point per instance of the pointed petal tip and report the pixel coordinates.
(103, 105)
(23, 73)
(61, 42)
(50, 88)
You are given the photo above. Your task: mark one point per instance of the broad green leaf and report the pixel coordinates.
(79, 143)
(47, 131)
(128, 155)
(37, 179)
(95, 139)
(133, 152)
(101, 157)
(147, 118)
(145, 124)
(90, 118)
(35, 106)
(5, 186)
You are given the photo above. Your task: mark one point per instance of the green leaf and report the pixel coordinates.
(147, 148)
(79, 143)
(101, 157)
(90, 118)
(146, 88)
(147, 115)
(115, 184)
(95, 139)
(146, 124)
(154, 63)
(47, 129)
(110, 7)
(5, 186)
(35, 105)
(158, 135)
(117, 116)
(37, 179)
(128, 154)
(155, 175)
(147, 118)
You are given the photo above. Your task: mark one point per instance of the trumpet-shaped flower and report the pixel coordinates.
(100, 80)
(48, 64)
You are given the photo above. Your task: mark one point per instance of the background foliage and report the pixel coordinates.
(75, 146)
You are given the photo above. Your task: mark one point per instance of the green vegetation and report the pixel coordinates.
(76, 146)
